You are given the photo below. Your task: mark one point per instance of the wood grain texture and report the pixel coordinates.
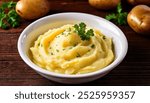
(134, 70)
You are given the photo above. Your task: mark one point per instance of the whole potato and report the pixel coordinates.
(139, 19)
(136, 2)
(32, 9)
(104, 4)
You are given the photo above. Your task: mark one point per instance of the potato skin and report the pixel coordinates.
(139, 19)
(32, 9)
(104, 4)
(136, 2)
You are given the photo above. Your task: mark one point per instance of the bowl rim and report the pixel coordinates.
(106, 69)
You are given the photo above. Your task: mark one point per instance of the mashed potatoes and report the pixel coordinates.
(63, 51)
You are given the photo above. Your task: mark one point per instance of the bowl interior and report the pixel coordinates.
(30, 34)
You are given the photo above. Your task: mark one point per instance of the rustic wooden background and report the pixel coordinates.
(134, 70)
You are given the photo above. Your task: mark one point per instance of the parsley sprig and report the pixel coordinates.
(8, 16)
(120, 17)
(81, 30)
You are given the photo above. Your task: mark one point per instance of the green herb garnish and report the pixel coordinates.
(92, 46)
(78, 55)
(8, 16)
(70, 47)
(120, 17)
(58, 36)
(104, 37)
(89, 50)
(38, 44)
(81, 30)
(57, 50)
(69, 29)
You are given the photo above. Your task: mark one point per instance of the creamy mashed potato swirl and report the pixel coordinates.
(62, 50)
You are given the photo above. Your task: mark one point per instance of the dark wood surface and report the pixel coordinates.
(134, 70)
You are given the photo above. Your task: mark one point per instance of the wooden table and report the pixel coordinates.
(134, 70)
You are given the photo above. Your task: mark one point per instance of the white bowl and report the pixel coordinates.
(30, 34)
